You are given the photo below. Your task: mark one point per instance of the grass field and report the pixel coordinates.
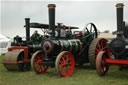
(81, 76)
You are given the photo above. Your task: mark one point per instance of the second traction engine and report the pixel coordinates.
(118, 47)
(63, 50)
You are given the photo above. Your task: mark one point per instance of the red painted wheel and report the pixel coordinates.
(101, 66)
(101, 46)
(97, 45)
(65, 63)
(36, 62)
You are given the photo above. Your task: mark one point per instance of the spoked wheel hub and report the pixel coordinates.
(65, 63)
(36, 63)
(39, 62)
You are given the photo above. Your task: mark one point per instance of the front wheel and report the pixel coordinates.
(36, 62)
(65, 63)
(101, 66)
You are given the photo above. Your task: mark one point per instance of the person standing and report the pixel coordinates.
(35, 37)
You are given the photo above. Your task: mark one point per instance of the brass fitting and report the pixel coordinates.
(119, 5)
(51, 5)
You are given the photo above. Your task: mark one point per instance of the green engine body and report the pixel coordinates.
(56, 46)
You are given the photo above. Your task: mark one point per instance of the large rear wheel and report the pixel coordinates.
(97, 45)
(65, 63)
(36, 62)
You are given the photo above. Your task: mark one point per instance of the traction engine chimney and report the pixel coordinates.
(52, 18)
(119, 9)
(27, 25)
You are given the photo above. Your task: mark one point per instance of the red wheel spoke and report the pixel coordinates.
(68, 67)
(36, 63)
(41, 68)
(97, 50)
(99, 46)
(63, 59)
(67, 58)
(35, 59)
(104, 41)
(66, 70)
(104, 47)
(70, 62)
(38, 57)
(36, 66)
(63, 70)
(62, 64)
(60, 67)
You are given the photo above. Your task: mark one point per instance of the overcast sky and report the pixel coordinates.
(72, 13)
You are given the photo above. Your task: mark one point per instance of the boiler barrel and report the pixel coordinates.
(57, 46)
(35, 47)
(70, 45)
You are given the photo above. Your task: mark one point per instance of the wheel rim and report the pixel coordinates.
(101, 66)
(65, 64)
(100, 46)
(36, 62)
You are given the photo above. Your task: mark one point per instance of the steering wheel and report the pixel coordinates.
(90, 29)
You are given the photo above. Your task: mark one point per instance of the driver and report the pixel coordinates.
(69, 33)
(35, 37)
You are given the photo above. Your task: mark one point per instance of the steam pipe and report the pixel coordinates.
(51, 8)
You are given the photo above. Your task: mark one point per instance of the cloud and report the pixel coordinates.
(76, 13)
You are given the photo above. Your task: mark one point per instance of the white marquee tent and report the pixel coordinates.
(5, 43)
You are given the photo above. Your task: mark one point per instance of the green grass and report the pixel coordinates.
(81, 76)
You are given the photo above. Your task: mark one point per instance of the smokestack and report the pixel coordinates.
(119, 9)
(27, 25)
(52, 18)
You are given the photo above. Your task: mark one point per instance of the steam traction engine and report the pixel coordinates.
(118, 47)
(65, 52)
(19, 54)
